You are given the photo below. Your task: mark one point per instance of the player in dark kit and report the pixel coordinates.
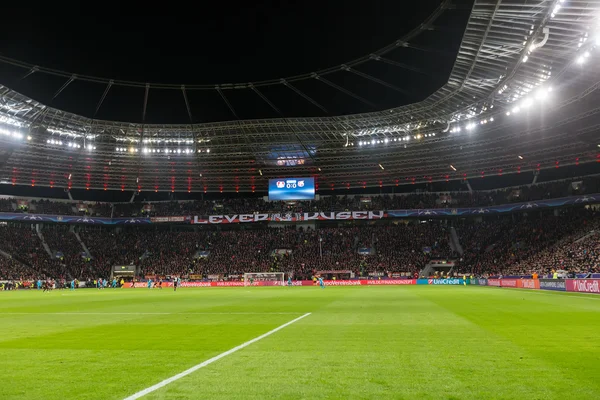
(175, 282)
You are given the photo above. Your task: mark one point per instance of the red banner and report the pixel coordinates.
(494, 282)
(392, 282)
(530, 284)
(583, 285)
(514, 283)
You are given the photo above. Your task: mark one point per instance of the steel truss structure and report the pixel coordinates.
(523, 95)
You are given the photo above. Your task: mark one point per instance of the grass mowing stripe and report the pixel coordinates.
(210, 361)
(591, 296)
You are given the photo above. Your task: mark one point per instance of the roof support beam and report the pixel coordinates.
(218, 88)
(306, 97)
(345, 91)
(110, 83)
(63, 87)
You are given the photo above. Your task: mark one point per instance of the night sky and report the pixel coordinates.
(223, 42)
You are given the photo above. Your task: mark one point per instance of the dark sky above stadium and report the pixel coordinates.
(208, 43)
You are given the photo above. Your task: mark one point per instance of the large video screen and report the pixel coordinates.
(292, 189)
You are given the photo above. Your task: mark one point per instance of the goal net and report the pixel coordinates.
(264, 278)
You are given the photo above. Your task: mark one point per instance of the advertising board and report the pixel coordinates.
(553, 284)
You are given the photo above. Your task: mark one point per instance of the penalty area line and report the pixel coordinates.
(210, 361)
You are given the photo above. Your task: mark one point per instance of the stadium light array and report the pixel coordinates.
(10, 133)
(148, 150)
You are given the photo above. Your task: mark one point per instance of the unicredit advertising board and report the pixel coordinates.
(453, 281)
(292, 189)
(583, 285)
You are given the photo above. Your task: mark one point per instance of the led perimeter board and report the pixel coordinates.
(292, 189)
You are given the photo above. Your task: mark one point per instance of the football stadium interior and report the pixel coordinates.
(417, 221)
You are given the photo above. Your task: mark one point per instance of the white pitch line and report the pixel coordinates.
(149, 313)
(209, 361)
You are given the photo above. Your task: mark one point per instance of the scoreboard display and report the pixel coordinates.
(125, 270)
(292, 189)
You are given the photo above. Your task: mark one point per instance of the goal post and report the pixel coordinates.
(264, 278)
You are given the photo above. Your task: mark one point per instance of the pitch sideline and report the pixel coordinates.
(149, 313)
(210, 361)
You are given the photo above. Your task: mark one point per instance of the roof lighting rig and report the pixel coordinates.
(512, 68)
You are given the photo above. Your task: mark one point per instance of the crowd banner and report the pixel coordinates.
(530, 283)
(156, 220)
(481, 281)
(312, 216)
(290, 217)
(74, 219)
(583, 285)
(553, 284)
(500, 209)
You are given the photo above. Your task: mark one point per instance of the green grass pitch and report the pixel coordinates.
(405, 342)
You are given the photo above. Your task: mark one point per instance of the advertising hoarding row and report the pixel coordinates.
(561, 285)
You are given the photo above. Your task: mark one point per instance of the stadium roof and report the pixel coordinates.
(253, 61)
(521, 96)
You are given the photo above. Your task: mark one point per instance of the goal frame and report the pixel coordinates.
(264, 277)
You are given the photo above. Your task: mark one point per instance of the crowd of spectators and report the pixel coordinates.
(589, 185)
(523, 244)
(517, 244)
(576, 257)
(23, 244)
(110, 247)
(390, 248)
(52, 207)
(7, 205)
(11, 269)
(66, 251)
(405, 247)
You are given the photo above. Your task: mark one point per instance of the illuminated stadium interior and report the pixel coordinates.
(193, 164)
(520, 97)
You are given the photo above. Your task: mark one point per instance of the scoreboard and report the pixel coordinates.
(292, 189)
(124, 270)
